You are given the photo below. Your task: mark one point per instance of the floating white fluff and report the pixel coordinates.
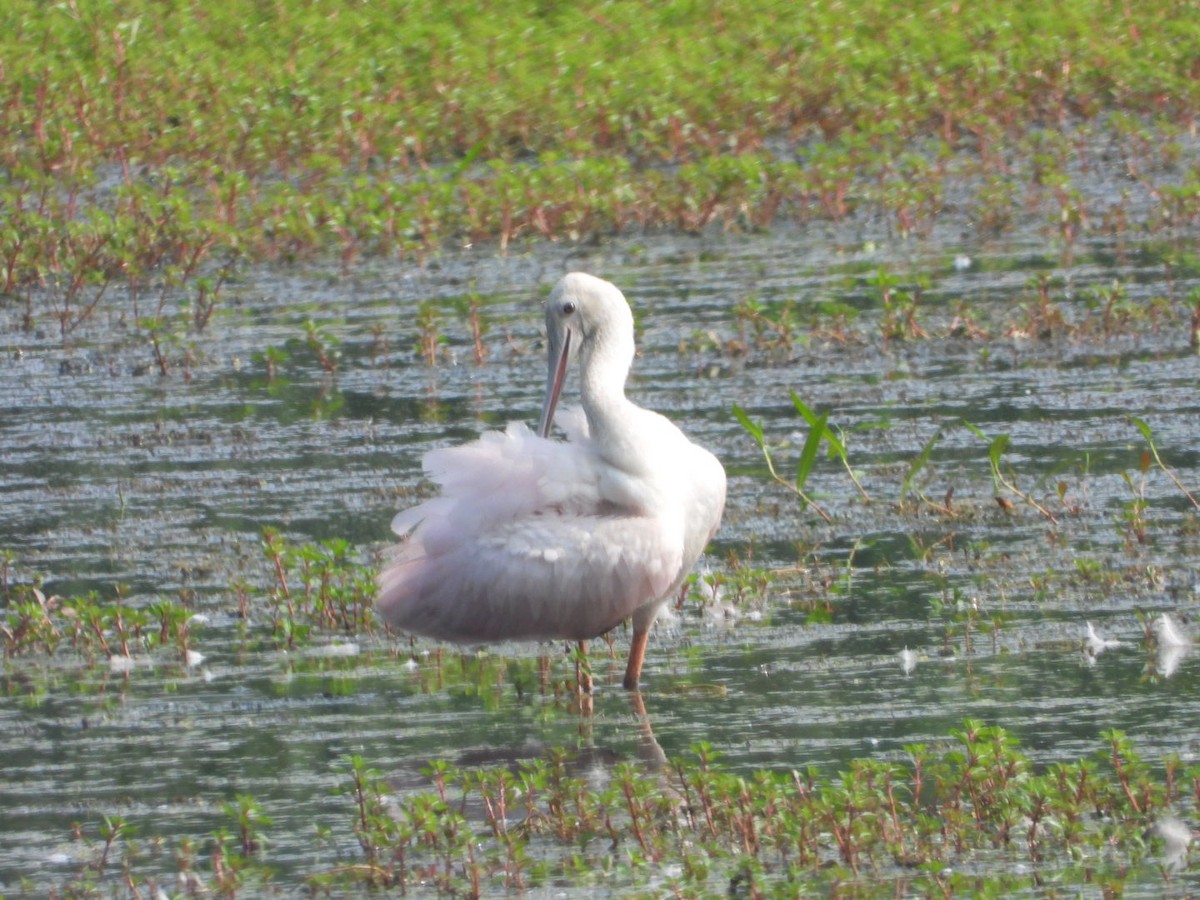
(1097, 644)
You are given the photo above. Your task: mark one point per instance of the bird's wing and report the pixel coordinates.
(520, 544)
(539, 577)
(502, 476)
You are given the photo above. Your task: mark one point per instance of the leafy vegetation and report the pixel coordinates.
(694, 827)
(154, 150)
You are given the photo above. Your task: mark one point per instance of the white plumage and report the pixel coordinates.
(532, 538)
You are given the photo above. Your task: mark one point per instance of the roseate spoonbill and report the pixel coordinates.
(539, 539)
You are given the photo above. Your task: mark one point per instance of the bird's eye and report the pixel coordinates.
(568, 307)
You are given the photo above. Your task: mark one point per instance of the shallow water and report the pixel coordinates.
(114, 475)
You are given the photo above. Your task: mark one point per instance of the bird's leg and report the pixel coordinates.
(637, 653)
(583, 671)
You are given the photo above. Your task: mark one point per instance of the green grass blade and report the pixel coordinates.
(752, 427)
(801, 407)
(919, 463)
(1144, 428)
(975, 430)
(996, 450)
(808, 455)
(836, 447)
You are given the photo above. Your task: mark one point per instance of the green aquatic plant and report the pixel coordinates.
(996, 204)
(429, 335)
(247, 813)
(767, 329)
(962, 618)
(478, 326)
(90, 626)
(1148, 435)
(140, 163)
(271, 358)
(878, 827)
(312, 590)
(808, 456)
(1044, 317)
(375, 827)
(317, 589)
(170, 345)
(31, 623)
(833, 320)
(899, 307)
(897, 823)
(1003, 477)
(1194, 334)
(908, 485)
(819, 432)
(1134, 525)
(113, 829)
(323, 345)
(739, 582)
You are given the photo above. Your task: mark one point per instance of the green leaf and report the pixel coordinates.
(754, 429)
(469, 157)
(809, 416)
(836, 447)
(919, 463)
(996, 450)
(1143, 428)
(808, 455)
(975, 430)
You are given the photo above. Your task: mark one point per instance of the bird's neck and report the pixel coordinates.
(602, 392)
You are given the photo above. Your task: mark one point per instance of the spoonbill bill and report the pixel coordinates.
(538, 539)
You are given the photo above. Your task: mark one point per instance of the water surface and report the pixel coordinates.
(114, 475)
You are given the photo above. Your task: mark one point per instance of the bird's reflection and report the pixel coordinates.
(650, 752)
(590, 761)
(588, 754)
